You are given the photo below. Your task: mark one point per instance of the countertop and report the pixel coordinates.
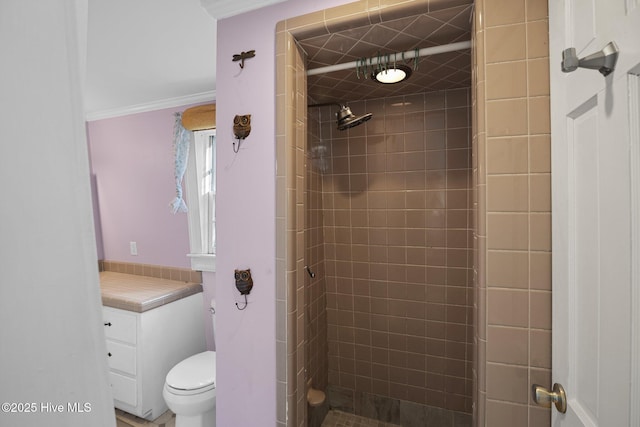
(141, 293)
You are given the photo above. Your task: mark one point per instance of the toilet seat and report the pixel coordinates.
(194, 375)
(180, 392)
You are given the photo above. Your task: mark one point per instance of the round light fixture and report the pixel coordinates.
(392, 75)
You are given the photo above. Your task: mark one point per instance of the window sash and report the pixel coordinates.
(200, 187)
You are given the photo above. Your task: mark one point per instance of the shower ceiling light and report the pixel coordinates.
(392, 75)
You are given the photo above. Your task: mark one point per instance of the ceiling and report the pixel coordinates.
(436, 72)
(224, 8)
(149, 54)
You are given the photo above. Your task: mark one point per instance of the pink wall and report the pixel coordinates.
(132, 160)
(245, 214)
(132, 166)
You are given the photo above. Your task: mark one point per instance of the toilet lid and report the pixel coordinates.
(195, 372)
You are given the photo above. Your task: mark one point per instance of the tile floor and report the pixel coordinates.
(334, 418)
(124, 419)
(337, 418)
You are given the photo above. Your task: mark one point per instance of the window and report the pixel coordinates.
(201, 198)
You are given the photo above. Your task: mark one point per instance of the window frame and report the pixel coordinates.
(201, 205)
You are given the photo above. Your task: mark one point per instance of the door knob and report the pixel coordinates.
(544, 397)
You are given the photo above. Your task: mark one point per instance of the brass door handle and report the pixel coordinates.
(544, 397)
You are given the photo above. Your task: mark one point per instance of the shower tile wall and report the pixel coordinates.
(315, 288)
(396, 199)
(508, 35)
(512, 182)
(291, 403)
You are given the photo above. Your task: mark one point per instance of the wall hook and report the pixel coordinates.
(244, 284)
(241, 129)
(242, 56)
(603, 61)
(245, 303)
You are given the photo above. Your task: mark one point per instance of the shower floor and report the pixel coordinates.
(344, 419)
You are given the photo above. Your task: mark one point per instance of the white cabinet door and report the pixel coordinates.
(121, 357)
(124, 389)
(120, 325)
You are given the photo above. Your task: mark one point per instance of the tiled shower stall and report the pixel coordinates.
(431, 289)
(395, 218)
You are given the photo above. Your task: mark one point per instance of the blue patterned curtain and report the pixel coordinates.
(181, 138)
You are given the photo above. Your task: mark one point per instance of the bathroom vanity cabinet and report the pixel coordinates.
(142, 346)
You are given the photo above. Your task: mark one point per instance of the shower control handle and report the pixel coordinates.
(107, 324)
(311, 273)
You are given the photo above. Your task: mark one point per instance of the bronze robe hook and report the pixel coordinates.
(242, 56)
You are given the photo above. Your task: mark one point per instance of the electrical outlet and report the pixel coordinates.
(133, 246)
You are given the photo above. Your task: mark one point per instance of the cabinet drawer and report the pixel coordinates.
(119, 325)
(124, 388)
(121, 357)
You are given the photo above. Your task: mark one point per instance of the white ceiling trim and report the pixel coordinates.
(219, 9)
(152, 106)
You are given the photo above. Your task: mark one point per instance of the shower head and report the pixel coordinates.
(346, 119)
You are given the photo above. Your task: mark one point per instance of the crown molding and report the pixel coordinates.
(151, 106)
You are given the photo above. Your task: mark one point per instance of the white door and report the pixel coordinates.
(596, 216)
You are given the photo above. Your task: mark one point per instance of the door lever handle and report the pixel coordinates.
(544, 397)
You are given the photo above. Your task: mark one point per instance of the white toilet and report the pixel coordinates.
(190, 388)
